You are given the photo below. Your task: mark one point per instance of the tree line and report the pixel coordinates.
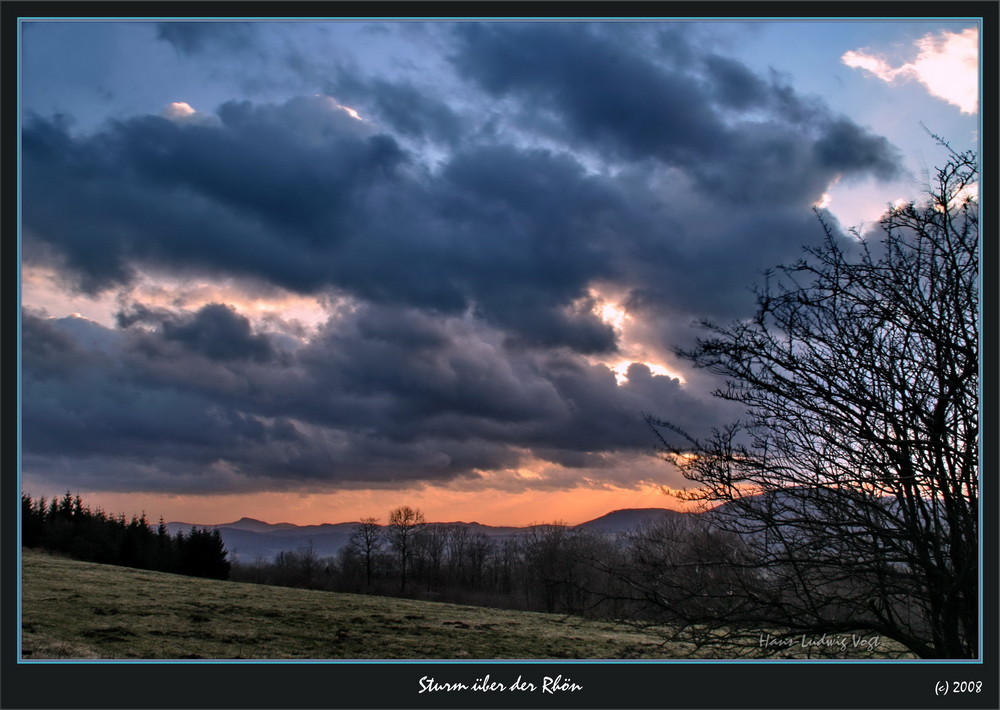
(67, 526)
(549, 567)
(543, 567)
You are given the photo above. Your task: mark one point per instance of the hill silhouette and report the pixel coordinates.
(249, 538)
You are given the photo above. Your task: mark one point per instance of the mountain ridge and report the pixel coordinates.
(255, 524)
(250, 538)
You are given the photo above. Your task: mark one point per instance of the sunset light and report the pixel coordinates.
(351, 112)
(621, 370)
(611, 313)
(179, 109)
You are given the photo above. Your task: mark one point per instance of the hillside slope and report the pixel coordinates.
(75, 609)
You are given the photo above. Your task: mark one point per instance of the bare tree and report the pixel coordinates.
(457, 541)
(479, 549)
(852, 482)
(555, 557)
(430, 555)
(367, 540)
(405, 523)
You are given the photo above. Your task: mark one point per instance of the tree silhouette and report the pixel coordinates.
(69, 527)
(201, 553)
(366, 539)
(852, 482)
(405, 523)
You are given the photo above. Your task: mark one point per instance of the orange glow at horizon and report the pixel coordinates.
(489, 507)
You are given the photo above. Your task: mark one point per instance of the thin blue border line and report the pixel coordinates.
(982, 179)
(20, 487)
(978, 661)
(506, 661)
(514, 18)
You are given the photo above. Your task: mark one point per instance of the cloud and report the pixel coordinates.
(401, 106)
(215, 330)
(947, 64)
(199, 37)
(183, 112)
(462, 249)
(605, 94)
(294, 194)
(737, 135)
(378, 396)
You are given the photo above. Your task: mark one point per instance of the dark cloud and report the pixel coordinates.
(733, 85)
(378, 395)
(215, 331)
(296, 165)
(845, 147)
(52, 352)
(198, 37)
(265, 192)
(406, 109)
(616, 97)
(467, 243)
(300, 196)
(607, 95)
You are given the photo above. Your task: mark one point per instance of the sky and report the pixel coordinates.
(312, 271)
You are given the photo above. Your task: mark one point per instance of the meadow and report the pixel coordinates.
(73, 609)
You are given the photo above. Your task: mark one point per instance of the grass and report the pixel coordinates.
(73, 609)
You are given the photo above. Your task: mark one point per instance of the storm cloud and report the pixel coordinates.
(195, 37)
(471, 236)
(379, 395)
(738, 135)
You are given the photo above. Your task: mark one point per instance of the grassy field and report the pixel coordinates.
(75, 609)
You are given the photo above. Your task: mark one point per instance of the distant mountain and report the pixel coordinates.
(619, 521)
(249, 538)
(254, 525)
